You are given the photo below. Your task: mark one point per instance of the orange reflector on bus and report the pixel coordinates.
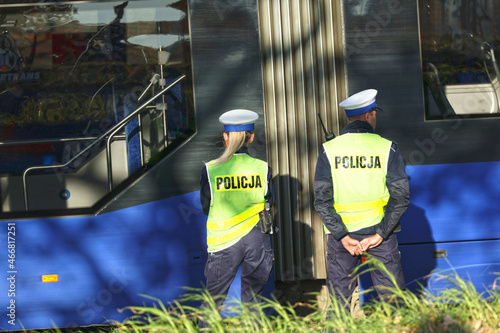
(50, 278)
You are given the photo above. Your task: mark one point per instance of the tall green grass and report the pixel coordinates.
(457, 309)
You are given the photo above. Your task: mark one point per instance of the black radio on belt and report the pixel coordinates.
(266, 220)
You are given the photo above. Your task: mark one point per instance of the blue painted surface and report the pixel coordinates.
(452, 202)
(103, 263)
(453, 208)
(478, 262)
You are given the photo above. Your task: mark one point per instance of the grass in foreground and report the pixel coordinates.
(458, 309)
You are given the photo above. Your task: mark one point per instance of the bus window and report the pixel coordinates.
(71, 75)
(460, 41)
(71, 71)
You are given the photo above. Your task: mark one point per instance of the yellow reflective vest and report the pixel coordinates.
(359, 166)
(238, 188)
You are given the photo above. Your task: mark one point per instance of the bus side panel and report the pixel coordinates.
(441, 266)
(96, 265)
(437, 266)
(451, 228)
(452, 202)
(80, 271)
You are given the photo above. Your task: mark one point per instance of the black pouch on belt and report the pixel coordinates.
(266, 220)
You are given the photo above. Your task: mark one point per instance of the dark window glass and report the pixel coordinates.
(460, 40)
(74, 70)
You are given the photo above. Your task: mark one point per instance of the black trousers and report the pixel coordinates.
(340, 264)
(255, 255)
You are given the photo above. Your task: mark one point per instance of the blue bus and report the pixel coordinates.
(110, 108)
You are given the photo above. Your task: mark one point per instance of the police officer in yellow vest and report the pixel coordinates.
(361, 190)
(234, 189)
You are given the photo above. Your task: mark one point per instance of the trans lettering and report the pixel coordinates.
(357, 162)
(238, 182)
(19, 76)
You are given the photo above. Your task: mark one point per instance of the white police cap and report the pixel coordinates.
(360, 103)
(238, 120)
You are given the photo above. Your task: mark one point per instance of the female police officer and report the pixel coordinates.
(234, 189)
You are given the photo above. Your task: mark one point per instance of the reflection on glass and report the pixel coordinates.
(75, 70)
(460, 40)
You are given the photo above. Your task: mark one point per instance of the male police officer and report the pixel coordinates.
(361, 191)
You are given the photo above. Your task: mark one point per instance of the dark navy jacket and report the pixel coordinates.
(396, 182)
